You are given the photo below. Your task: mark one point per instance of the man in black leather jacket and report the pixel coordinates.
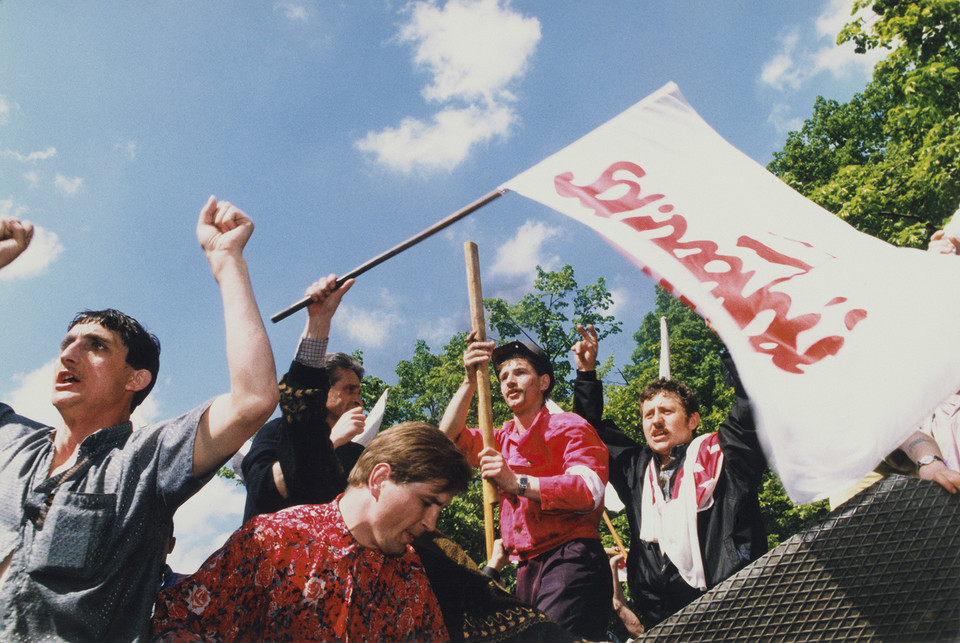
(712, 529)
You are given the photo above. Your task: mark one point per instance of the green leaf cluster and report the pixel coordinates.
(549, 317)
(888, 161)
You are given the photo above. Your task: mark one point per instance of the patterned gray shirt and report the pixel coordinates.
(89, 569)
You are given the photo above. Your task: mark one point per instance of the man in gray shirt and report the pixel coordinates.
(85, 509)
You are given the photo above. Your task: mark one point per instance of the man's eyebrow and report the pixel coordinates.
(433, 499)
(98, 333)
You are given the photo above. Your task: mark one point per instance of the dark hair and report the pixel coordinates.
(338, 361)
(529, 351)
(674, 387)
(416, 452)
(143, 348)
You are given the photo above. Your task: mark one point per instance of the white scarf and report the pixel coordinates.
(673, 523)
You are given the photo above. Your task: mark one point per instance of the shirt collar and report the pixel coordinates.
(107, 437)
(543, 415)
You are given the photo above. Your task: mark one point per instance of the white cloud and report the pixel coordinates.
(204, 523)
(621, 298)
(31, 397)
(127, 148)
(367, 328)
(439, 144)
(520, 256)
(438, 331)
(292, 10)
(32, 157)
(10, 209)
(835, 15)
(469, 79)
(43, 250)
(782, 118)
(453, 44)
(6, 109)
(781, 70)
(69, 186)
(842, 61)
(801, 58)
(32, 177)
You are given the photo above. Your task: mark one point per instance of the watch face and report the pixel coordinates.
(927, 459)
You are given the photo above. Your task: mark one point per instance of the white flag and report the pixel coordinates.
(843, 342)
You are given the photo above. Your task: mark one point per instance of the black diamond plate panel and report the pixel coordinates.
(885, 566)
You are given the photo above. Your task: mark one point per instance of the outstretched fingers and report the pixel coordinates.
(585, 350)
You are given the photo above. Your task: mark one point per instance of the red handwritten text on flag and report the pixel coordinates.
(701, 258)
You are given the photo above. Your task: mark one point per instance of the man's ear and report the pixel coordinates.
(378, 475)
(544, 383)
(693, 421)
(139, 380)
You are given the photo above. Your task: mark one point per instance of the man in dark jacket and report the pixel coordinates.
(691, 502)
(304, 456)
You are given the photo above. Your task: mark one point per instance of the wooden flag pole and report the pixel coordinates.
(397, 249)
(616, 536)
(484, 401)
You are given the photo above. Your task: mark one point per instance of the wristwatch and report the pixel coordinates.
(524, 481)
(927, 459)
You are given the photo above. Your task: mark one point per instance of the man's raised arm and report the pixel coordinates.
(232, 418)
(297, 450)
(454, 417)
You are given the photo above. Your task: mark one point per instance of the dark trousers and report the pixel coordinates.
(572, 585)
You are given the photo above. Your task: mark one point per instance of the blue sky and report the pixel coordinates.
(343, 128)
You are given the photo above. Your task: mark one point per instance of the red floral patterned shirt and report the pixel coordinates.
(299, 575)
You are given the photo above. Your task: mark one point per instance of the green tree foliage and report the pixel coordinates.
(549, 315)
(781, 517)
(462, 521)
(427, 382)
(425, 385)
(888, 161)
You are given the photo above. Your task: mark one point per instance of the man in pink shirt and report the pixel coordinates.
(551, 470)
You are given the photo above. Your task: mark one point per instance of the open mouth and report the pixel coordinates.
(66, 377)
